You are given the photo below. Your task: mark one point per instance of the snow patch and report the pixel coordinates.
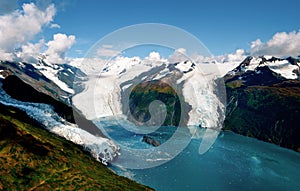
(51, 75)
(50, 71)
(284, 68)
(1, 76)
(185, 66)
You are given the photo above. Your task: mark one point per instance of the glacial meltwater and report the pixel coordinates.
(234, 162)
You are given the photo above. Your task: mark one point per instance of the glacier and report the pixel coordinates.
(198, 81)
(102, 96)
(203, 98)
(102, 149)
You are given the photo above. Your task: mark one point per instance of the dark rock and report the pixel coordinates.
(150, 141)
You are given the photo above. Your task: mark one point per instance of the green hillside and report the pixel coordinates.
(32, 158)
(269, 113)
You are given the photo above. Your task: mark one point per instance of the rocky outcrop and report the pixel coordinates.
(151, 141)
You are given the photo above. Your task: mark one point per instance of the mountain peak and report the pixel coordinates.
(287, 68)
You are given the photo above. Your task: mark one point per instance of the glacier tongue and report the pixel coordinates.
(102, 149)
(199, 91)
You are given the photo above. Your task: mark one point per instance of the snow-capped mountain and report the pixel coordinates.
(107, 92)
(61, 74)
(263, 100)
(267, 66)
(55, 80)
(110, 83)
(43, 91)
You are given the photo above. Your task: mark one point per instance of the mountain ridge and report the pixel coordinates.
(264, 104)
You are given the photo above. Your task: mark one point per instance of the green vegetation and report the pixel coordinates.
(269, 113)
(143, 94)
(234, 84)
(31, 158)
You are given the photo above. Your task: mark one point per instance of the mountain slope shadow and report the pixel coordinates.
(22, 91)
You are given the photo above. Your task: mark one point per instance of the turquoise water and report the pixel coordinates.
(233, 163)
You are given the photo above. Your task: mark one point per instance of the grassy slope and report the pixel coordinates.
(31, 158)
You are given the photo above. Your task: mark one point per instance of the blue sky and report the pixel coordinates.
(223, 26)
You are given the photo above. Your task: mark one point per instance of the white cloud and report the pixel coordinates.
(58, 47)
(181, 50)
(178, 56)
(6, 56)
(20, 26)
(281, 44)
(153, 56)
(54, 25)
(30, 51)
(238, 56)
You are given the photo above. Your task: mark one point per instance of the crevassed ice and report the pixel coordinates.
(103, 149)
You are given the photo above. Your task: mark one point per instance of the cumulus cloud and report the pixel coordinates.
(178, 55)
(21, 26)
(58, 47)
(6, 56)
(30, 52)
(153, 56)
(281, 44)
(238, 56)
